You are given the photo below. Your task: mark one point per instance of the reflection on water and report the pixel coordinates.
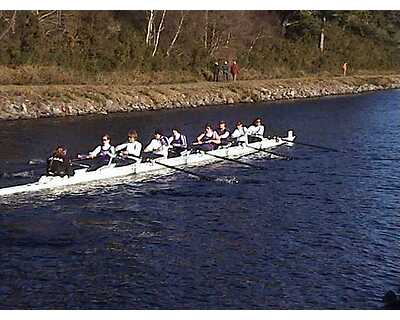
(320, 231)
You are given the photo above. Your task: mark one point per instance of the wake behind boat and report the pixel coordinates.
(112, 171)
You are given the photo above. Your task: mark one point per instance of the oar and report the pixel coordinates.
(198, 175)
(33, 162)
(80, 165)
(82, 157)
(271, 153)
(313, 145)
(236, 161)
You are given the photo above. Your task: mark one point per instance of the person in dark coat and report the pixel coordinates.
(216, 70)
(59, 164)
(225, 70)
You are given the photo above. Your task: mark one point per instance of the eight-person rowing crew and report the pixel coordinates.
(159, 147)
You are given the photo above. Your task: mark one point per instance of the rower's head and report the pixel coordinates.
(132, 136)
(239, 124)
(222, 125)
(60, 151)
(175, 132)
(208, 128)
(106, 139)
(157, 134)
(257, 122)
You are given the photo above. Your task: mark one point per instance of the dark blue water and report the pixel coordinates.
(321, 231)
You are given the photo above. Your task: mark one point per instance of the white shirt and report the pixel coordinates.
(133, 148)
(256, 131)
(240, 134)
(157, 147)
(180, 137)
(110, 150)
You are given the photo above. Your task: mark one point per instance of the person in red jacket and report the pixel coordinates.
(234, 70)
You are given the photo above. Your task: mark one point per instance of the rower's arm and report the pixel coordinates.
(138, 149)
(200, 137)
(184, 141)
(111, 152)
(225, 135)
(95, 152)
(236, 134)
(121, 147)
(217, 138)
(149, 147)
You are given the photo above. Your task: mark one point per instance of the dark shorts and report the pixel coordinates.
(205, 147)
(175, 152)
(253, 139)
(147, 156)
(123, 161)
(97, 163)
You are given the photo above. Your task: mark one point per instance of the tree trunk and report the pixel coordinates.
(149, 27)
(322, 39)
(205, 30)
(321, 43)
(176, 34)
(160, 28)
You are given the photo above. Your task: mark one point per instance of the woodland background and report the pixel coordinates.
(145, 47)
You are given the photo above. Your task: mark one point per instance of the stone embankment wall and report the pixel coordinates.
(26, 102)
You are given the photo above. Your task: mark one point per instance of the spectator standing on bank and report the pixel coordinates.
(234, 70)
(344, 68)
(216, 72)
(225, 71)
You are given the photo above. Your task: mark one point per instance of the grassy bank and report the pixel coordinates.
(22, 102)
(33, 75)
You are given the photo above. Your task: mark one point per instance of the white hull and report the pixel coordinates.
(81, 176)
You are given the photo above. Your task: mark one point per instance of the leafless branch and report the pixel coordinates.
(178, 30)
(11, 26)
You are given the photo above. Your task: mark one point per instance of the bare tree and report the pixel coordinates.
(157, 37)
(178, 30)
(253, 42)
(206, 30)
(43, 16)
(150, 22)
(322, 37)
(215, 39)
(11, 25)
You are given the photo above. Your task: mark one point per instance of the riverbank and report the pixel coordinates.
(27, 102)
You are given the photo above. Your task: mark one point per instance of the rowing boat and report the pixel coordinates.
(139, 168)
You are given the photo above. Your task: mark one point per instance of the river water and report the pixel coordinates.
(317, 232)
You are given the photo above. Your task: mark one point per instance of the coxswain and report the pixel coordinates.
(239, 135)
(208, 140)
(102, 155)
(223, 133)
(177, 142)
(59, 164)
(157, 148)
(129, 152)
(256, 131)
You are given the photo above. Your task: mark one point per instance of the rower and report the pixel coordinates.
(177, 142)
(208, 140)
(256, 131)
(102, 155)
(157, 148)
(129, 152)
(223, 133)
(59, 164)
(239, 135)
